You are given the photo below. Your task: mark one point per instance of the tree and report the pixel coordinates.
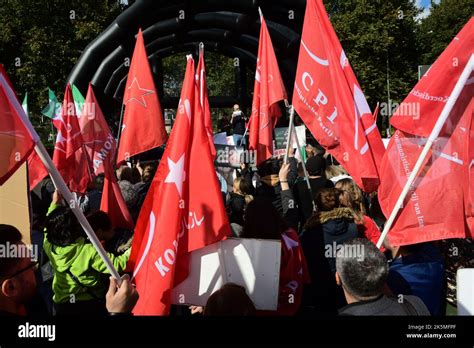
(41, 40)
(379, 38)
(438, 29)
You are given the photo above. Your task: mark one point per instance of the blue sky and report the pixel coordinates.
(426, 6)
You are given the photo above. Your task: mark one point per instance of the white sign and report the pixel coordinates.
(251, 263)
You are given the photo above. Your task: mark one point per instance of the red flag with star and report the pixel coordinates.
(69, 155)
(179, 214)
(268, 90)
(143, 125)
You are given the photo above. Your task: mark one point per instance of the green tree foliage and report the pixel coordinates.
(378, 36)
(438, 29)
(41, 40)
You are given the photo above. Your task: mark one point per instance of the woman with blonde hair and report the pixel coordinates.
(351, 196)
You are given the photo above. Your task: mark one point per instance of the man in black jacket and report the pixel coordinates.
(362, 270)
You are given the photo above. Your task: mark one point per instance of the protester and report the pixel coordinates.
(237, 121)
(352, 197)
(293, 269)
(17, 276)
(90, 202)
(315, 167)
(336, 173)
(334, 222)
(141, 188)
(238, 200)
(418, 269)
(230, 300)
(115, 241)
(269, 181)
(130, 197)
(361, 271)
(18, 283)
(322, 234)
(79, 285)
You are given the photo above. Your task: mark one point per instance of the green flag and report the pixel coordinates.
(24, 105)
(53, 109)
(78, 99)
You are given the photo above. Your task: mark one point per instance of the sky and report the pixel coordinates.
(425, 5)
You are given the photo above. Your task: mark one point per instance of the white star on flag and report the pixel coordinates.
(135, 96)
(177, 174)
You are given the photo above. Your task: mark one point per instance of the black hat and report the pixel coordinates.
(316, 165)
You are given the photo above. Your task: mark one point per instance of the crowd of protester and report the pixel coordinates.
(315, 218)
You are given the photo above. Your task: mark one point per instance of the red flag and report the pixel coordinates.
(440, 203)
(267, 91)
(179, 214)
(16, 142)
(101, 146)
(112, 200)
(69, 155)
(204, 100)
(143, 126)
(331, 103)
(36, 170)
(98, 138)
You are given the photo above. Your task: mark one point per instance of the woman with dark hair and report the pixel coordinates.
(263, 221)
(323, 234)
(80, 275)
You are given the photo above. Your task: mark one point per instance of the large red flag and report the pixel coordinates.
(440, 203)
(204, 100)
(331, 103)
(101, 146)
(179, 214)
(69, 155)
(143, 126)
(267, 91)
(16, 142)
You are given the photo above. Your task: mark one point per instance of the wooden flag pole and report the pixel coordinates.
(432, 138)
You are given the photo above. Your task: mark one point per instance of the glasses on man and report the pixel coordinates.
(33, 264)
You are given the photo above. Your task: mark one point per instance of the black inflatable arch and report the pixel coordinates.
(229, 27)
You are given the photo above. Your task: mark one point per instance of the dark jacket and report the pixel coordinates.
(335, 226)
(238, 124)
(384, 305)
(322, 230)
(272, 193)
(420, 274)
(235, 208)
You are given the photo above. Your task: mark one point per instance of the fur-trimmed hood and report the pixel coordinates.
(323, 217)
